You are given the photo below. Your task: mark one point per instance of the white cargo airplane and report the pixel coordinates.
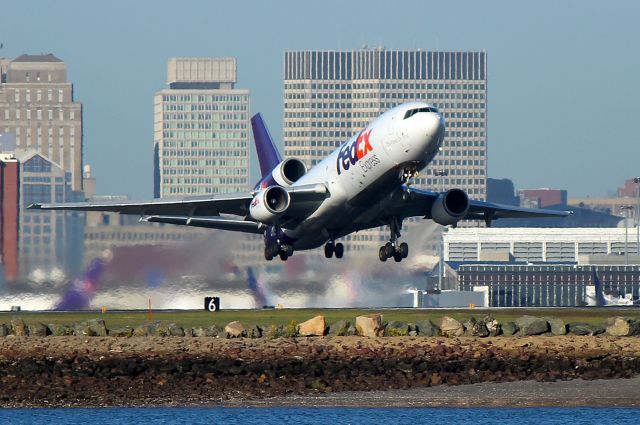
(363, 184)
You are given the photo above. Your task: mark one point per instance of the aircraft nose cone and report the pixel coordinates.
(434, 125)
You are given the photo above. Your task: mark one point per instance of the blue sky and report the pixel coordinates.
(563, 75)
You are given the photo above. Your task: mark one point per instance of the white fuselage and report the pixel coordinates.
(362, 172)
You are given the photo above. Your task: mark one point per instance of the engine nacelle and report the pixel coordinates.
(269, 204)
(450, 207)
(289, 171)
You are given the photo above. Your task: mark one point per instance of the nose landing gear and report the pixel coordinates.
(392, 249)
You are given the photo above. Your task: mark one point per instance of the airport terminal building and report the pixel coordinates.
(534, 267)
(545, 284)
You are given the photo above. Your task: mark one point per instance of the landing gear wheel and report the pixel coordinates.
(283, 256)
(267, 254)
(388, 250)
(397, 257)
(339, 250)
(288, 249)
(328, 250)
(382, 254)
(404, 250)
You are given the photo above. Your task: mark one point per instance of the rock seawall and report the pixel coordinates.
(137, 371)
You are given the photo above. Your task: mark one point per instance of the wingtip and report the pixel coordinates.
(34, 207)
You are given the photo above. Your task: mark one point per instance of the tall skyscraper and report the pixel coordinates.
(38, 110)
(201, 129)
(330, 95)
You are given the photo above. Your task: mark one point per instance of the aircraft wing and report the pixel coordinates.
(418, 202)
(480, 210)
(237, 204)
(204, 211)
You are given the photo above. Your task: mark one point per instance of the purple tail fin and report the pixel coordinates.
(268, 155)
(600, 301)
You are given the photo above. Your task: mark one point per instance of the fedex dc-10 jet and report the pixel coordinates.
(361, 185)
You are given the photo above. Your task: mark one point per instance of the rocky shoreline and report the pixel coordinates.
(169, 371)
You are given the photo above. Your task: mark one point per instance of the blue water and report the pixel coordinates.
(321, 415)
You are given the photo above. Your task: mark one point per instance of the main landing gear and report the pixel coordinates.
(330, 248)
(392, 249)
(275, 249)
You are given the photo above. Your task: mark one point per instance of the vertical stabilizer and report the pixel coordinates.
(257, 290)
(600, 301)
(268, 155)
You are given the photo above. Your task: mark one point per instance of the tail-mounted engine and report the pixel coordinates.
(450, 207)
(269, 204)
(289, 171)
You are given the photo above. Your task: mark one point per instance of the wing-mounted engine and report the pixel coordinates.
(270, 204)
(288, 172)
(450, 207)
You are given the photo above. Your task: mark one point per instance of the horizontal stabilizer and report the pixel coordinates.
(208, 222)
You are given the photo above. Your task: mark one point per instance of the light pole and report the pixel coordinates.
(636, 180)
(626, 209)
(440, 174)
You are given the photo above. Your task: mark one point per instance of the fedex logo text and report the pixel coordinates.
(353, 152)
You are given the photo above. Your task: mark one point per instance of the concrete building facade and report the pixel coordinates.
(537, 244)
(37, 110)
(330, 95)
(201, 129)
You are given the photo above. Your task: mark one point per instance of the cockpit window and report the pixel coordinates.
(412, 112)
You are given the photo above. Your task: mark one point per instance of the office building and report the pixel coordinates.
(629, 189)
(624, 203)
(50, 241)
(201, 129)
(37, 110)
(331, 95)
(542, 198)
(501, 191)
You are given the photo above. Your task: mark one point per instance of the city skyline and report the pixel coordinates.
(560, 61)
